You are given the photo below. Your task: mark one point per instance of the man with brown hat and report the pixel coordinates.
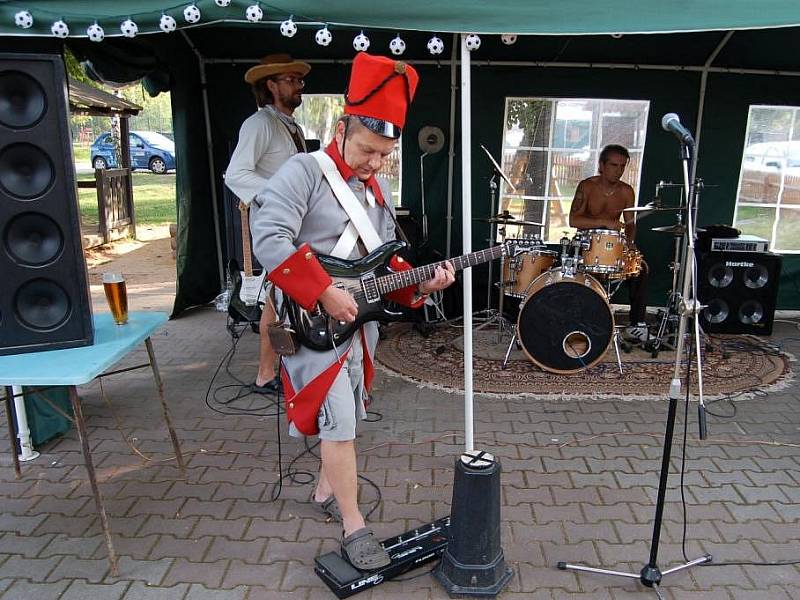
(267, 139)
(330, 202)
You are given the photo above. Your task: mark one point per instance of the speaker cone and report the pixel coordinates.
(42, 304)
(33, 239)
(719, 275)
(751, 312)
(25, 171)
(756, 277)
(716, 311)
(22, 100)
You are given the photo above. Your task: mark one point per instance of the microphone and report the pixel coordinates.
(671, 122)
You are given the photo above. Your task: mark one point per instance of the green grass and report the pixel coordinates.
(153, 199)
(81, 153)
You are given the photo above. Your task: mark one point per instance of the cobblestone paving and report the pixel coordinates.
(579, 484)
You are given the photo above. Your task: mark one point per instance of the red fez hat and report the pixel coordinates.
(379, 93)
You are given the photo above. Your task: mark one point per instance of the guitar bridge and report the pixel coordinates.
(370, 287)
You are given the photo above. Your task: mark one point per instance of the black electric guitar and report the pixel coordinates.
(368, 279)
(247, 288)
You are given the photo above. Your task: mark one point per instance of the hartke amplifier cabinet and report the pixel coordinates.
(740, 290)
(45, 302)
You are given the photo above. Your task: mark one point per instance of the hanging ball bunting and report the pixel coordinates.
(508, 39)
(397, 46)
(222, 3)
(435, 45)
(59, 29)
(128, 28)
(323, 36)
(473, 42)
(191, 13)
(167, 24)
(288, 28)
(95, 32)
(23, 19)
(361, 42)
(254, 13)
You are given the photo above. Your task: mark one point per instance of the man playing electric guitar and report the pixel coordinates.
(330, 202)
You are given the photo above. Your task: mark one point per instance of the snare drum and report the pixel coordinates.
(565, 323)
(631, 263)
(520, 271)
(603, 251)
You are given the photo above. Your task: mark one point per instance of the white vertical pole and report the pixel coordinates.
(23, 431)
(466, 227)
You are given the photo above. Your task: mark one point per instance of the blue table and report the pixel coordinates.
(75, 366)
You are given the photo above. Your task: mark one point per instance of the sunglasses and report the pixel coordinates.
(297, 81)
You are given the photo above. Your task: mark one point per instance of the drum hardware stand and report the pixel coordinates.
(650, 575)
(431, 141)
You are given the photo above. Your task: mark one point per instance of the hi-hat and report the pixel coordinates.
(505, 218)
(648, 208)
(677, 229)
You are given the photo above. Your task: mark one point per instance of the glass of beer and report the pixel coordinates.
(117, 296)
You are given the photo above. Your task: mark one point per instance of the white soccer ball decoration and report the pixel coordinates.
(508, 39)
(191, 13)
(59, 29)
(288, 28)
(167, 24)
(254, 13)
(323, 36)
(435, 45)
(222, 3)
(128, 28)
(361, 42)
(473, 42)
(23, 19)
(397, 46)
(95, 32)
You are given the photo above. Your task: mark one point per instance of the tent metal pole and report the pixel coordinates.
(451, 144)
(466, 228)
(210, 151)
(701, 103)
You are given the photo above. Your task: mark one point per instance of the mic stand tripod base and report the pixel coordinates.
(649, 576)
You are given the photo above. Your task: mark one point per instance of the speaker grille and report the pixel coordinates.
(740, 290)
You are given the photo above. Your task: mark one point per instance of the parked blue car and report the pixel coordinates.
(149, 150)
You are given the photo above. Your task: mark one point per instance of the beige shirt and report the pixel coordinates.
(264, 145)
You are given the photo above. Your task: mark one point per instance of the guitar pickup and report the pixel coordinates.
(370, 287)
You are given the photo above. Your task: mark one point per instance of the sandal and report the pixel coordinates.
(329, 507)
(362, 550)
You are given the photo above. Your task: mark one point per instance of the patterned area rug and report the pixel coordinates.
(732, 365)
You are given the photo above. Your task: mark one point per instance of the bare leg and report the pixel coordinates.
(266, 355)
(324, 488)
(339, 467)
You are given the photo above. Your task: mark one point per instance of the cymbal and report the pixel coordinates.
(648, 208)
(506, 218)
(677, 229)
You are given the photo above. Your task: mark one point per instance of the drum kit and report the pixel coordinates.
(565, 322)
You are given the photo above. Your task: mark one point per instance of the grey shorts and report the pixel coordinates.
(344, 405)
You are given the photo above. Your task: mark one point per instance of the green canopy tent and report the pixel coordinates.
(712, 59)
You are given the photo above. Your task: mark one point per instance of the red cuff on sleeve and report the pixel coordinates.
(302, 277)
(406, 296)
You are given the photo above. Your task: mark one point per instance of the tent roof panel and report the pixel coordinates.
(509, 16)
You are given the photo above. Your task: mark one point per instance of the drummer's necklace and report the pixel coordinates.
(611, 193)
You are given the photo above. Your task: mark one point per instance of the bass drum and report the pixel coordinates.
(565, 323)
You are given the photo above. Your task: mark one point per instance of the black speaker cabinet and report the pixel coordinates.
(740, 290)
(45, 303)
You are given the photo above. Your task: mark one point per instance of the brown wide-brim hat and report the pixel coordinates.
(272, 64)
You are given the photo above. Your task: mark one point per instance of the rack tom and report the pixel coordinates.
(603, 251)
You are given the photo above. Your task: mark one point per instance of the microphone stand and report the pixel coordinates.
(650, 575)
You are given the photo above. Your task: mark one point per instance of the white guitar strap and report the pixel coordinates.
(360, 225)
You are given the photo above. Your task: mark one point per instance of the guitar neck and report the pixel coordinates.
(395, 281)
(247, 257)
